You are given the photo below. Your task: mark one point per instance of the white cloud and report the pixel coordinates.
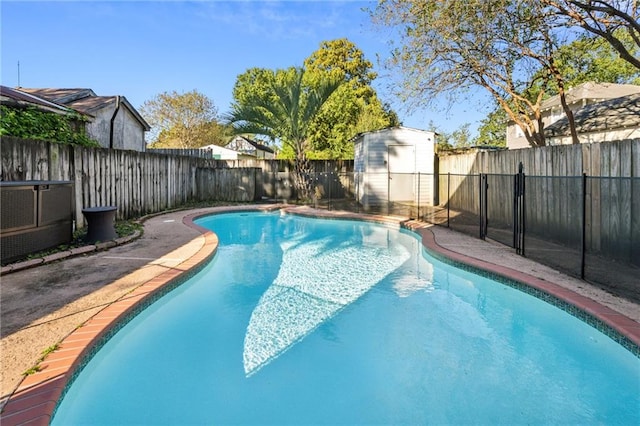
(279, 20)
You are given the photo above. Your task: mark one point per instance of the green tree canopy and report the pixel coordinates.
(493, 129)
(450, 48)
(353, 109)
(510, 48)
(285, 114)
(592, 59)
(585, 59)
(459, 138)
(183, 120)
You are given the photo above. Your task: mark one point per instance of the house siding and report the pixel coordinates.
(127, 132)
(98, 128)
(597, 137)
(131, 135)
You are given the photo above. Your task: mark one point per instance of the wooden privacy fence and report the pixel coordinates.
(610, 159)
(138, 183)
(575, 194)
(236, 185)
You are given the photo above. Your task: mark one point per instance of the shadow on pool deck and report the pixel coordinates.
(43, 305)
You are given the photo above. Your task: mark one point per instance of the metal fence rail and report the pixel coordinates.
(588, 227)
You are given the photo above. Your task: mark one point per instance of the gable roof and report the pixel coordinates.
(85, 101)
(591, 91)
(61, 96)
(259, 146)
(255, 144)
(610, 114)
(14, 97)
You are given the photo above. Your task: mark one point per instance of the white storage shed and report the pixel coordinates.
(395, 165)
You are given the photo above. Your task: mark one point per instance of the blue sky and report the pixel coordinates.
(139, 49)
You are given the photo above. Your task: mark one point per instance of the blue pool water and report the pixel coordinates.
(308, 321)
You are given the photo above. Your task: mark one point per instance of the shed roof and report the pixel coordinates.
(389, 129)
(611, 114)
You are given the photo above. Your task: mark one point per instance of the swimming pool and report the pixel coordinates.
(302, 320)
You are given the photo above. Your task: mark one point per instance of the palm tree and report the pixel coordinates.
(285, 115)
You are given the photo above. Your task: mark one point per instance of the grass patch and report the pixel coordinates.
(32, 370)
(125, 228)
(43, 355)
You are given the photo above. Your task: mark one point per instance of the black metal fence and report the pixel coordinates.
(586, 226)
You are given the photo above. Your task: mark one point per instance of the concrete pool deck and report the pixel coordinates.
(70, 304)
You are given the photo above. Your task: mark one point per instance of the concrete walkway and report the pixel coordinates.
(43, 305)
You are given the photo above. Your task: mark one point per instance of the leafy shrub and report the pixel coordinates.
(31, 123)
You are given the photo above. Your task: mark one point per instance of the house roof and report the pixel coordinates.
(61, 96)
(591, 91)
(610, 114)
(256, 145)
(85, 101)
(13, 97)
(259, 146)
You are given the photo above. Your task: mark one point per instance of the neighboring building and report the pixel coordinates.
(113, 121)
(577, 98)
(611, 120)
(13, 98)
(215, 152)
(247, 146)
(220, 153)
(387, 163)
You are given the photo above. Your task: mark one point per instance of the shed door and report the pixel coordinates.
(402, 160)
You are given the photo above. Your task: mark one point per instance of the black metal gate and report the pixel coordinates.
(518, 214)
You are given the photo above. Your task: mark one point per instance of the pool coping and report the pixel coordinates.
(36, 398)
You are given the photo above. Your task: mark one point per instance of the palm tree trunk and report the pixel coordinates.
(302, 173)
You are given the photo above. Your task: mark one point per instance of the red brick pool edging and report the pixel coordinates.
(37, 396)
(35, 399)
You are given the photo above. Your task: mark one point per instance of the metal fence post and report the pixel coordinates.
(448, 197)
(483, 201)
(485, 211)
(584, 225)
(330, 184)
(519, 211)
(418, 212)
(275, 187)
(516, 218)
(524, 212)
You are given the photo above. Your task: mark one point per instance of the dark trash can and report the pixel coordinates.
(100, 223)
